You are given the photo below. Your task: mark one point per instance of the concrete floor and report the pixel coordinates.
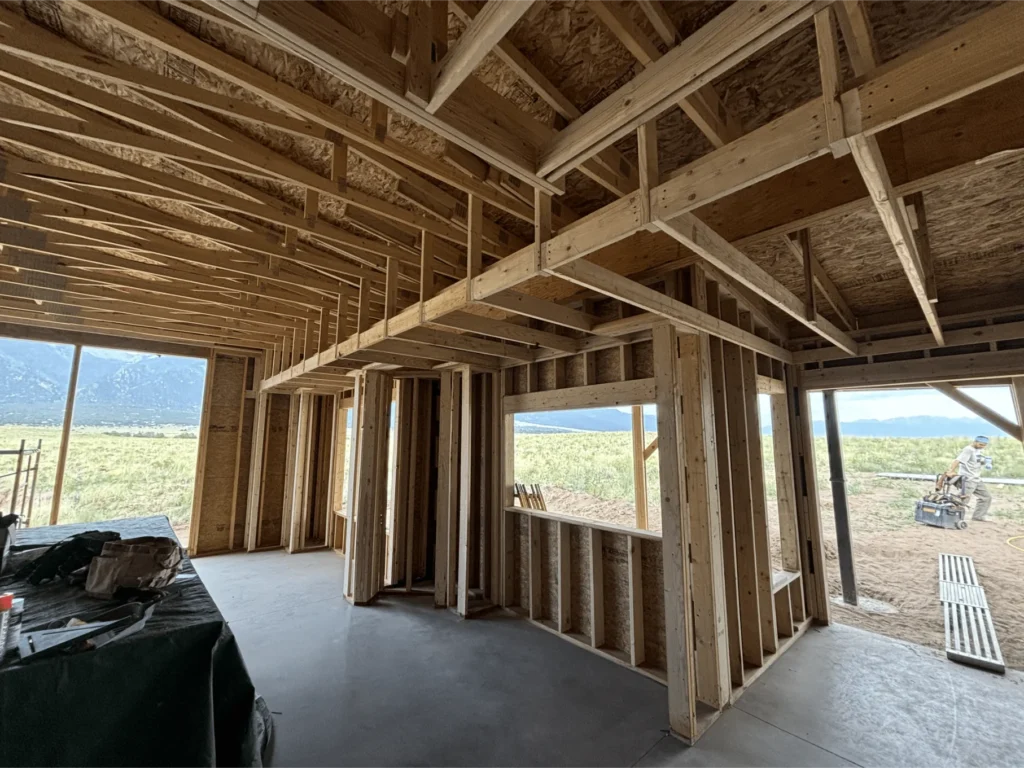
(403, 684)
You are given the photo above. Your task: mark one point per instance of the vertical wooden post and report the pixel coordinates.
(637, 653)
(706, 556)
(368, 537)
(496, 508)
(785, 487)
(639, 467)
(353, 485)
(300, 474)
(743, 524)
(535, 574)
(474, 241)
(363, 316)
(596, 588)
(65, 435)
(758, 498)
(725, 497)
(454, 491)
(442, 552)
(252, 504)
(17, 476)
(204, 429)
(427, 246)
(844, 538)
(410, 445)
(814, 578)
(564, 618)
(466, 461)
(508, 468)
(675, 532)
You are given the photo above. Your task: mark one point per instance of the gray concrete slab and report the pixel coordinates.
(737, 738)
(401, 683)
(878, 701)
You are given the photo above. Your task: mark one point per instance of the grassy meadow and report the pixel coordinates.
(600, 464)
(112, 472)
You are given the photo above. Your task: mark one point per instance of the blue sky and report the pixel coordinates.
(893, 404)
(898, 403)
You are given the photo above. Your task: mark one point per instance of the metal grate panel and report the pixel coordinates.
(970, 636)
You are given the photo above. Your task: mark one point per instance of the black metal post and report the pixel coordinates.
(844, 541)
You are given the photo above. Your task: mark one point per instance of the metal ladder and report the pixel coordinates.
(970, 636)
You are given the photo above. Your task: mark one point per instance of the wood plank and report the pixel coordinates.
(831, 80)
(710, 628)
(65, 436)
(785, 487)
(732, 36)
(758, 497)
(693, 233)
(444, 474)
(868, 156)
(612, 394)
(466, 463)
(743, 523)
(800, 248)
(564, 618)
(639, 467)
(482, 34)
(703, 106)
(536, 584)
(636, 602)
(508, 535)
(590, 275)
(675, 536)
(814, 579)
(596, 588)
(725, 494)
(973, 366)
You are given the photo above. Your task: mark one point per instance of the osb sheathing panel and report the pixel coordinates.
(606, 362)
(275, 457)
(975, 239)
(616, 590)
(575, 368)
(579, 579)
(652, 587)
(643, 360)
(223, 432)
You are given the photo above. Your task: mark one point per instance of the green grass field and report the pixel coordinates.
(122, 472)
(112, 472)
(600, 464)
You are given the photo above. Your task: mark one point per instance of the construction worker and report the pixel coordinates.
(969, 465)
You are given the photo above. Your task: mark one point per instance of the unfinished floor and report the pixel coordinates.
(404, 684)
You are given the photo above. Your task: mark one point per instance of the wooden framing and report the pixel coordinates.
(155, 212)
(65, 435)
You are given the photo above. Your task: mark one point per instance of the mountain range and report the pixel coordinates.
(114, 387)
(126, 388)
(614, 420)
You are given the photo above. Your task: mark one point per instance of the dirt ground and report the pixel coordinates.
(896, 559)
(896, 562)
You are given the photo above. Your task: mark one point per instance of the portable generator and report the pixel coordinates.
(946, 506)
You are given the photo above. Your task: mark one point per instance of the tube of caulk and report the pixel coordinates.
(14, 624)
(6, 605)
